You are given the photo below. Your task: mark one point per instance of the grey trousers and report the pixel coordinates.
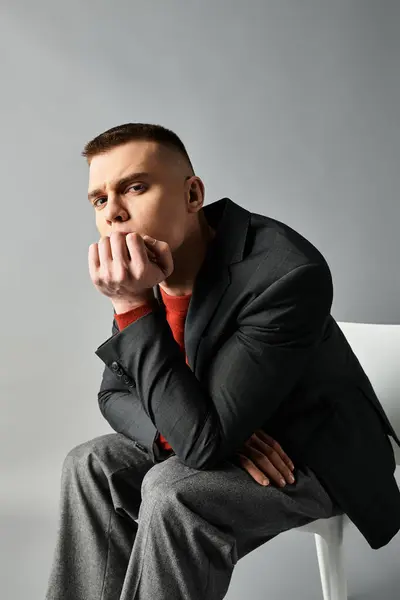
(132, 529)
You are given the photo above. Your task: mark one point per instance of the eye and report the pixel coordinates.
(97, 199)
(134, 187)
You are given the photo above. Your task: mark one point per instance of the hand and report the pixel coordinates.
(121, 269)
(261, 455)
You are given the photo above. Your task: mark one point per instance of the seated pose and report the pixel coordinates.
(238, 407)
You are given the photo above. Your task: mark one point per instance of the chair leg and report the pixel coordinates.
(323, 562)
(331, 563)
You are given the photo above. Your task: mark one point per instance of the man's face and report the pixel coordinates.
(146, 185)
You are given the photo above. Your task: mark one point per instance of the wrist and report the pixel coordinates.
(126, 304)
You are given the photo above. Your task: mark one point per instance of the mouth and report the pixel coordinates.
(123, 232)
(150, 252)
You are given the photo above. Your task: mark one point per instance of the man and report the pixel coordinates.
(222, 337)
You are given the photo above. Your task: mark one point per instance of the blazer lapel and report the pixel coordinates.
(231, 222)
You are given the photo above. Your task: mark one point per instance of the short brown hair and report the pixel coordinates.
(128, 132)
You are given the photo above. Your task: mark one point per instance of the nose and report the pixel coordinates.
(114, 207)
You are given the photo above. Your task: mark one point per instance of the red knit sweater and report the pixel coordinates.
(176, 311)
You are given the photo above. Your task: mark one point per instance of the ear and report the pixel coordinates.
(195, 192)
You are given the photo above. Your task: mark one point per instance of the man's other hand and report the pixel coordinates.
(264, 459)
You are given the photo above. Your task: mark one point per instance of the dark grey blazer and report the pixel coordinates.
(263, 352)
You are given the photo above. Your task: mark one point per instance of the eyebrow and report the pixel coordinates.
(120, 183)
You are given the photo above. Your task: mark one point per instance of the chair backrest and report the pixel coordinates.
(377, 347)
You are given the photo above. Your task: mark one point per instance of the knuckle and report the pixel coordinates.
(266, 466)
(286, 464)
(108, 282)
(276, 474)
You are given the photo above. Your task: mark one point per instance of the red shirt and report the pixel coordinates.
(176, 311)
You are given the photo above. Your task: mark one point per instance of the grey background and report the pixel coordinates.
(289, 108)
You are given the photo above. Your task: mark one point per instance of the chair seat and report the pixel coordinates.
(323, 526)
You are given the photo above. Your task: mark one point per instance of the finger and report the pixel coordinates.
(274, 458)
(94, 262)
(276, 446)
(252, 470)
(105, 254)
(150, 253)
(144, 249)
(119, 250)
(149, 249)
(265, 465)
(163, 254)
(149, 241)
(139, 258)
(263, 462)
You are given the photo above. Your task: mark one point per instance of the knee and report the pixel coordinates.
(76, 457)
(80, 455)
(163, 483)
(154, 481)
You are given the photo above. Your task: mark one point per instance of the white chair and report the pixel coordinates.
(377, 347)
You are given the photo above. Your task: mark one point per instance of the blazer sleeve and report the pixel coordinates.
(120, 406)
(250, 375)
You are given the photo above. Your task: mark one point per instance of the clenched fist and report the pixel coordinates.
(126, 266)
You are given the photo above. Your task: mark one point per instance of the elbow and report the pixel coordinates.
(205, 454)
(102, 399)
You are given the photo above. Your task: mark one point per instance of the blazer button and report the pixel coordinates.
(141, 447)
(114, 365)
(126, 379)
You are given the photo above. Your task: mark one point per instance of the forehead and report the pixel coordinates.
(122, 160)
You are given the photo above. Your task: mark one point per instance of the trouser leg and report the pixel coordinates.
(99, 502)
(195, 525)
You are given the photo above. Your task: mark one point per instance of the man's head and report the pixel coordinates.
(141, 179)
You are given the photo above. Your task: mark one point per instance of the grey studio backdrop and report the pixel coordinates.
(289, 108)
